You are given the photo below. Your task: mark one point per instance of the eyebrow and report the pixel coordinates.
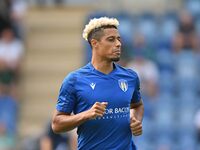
(113, 37)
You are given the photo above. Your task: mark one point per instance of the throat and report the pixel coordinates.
(104, 68)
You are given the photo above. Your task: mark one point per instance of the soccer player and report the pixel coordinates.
(103, 96)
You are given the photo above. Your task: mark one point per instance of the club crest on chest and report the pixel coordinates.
(123, 84)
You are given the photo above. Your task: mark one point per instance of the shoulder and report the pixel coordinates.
(83, 70)
(127, 71)
(73, 76)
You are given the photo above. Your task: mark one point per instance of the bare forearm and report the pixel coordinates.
(63, 123)
(138, 111)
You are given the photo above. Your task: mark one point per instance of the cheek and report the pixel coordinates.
(105, 48)
(108, 48)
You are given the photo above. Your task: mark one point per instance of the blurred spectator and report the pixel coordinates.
(17, 14)
(11, 14)
(52, 141)
(8, 122)
(187, 31)
(5, 9)
(177, 43)
(186, 25)
(11, 52)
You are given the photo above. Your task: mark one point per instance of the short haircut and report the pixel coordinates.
(97, 33)
(93, 28)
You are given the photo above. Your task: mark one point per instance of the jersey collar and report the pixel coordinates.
(101, 73)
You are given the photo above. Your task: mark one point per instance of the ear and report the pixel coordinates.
(94, 43)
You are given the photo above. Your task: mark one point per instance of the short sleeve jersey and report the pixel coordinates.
(82, 88)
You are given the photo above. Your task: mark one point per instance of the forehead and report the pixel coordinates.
(111, 32)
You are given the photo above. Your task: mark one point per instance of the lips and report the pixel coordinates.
(117, 51)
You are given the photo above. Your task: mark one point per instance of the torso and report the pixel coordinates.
(113, 129)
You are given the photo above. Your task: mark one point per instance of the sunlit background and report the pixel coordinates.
(41, 42)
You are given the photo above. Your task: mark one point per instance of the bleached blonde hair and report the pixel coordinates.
(97, 23)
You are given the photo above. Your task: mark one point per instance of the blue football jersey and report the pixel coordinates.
(82, 88)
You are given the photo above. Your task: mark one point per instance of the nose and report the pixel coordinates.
(118, 43)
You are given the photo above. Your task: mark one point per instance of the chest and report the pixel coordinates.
(116, 91)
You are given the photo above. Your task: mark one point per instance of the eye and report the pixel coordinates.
(111, 39)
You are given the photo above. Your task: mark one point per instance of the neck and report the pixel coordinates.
(103, 66)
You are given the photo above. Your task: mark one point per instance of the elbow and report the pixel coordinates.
(55, 126)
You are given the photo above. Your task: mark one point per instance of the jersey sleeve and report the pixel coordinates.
(136, 94)
(67, 98)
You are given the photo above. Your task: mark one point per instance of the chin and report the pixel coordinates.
(115, 59)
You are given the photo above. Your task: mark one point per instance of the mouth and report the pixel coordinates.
(118, 52)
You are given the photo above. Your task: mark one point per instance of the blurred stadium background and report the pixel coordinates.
(41, 42)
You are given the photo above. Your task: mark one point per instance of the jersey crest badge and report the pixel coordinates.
(93, 85)
(123, 84)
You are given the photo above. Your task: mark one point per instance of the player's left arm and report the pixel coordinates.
(136, 116)
(137, 110)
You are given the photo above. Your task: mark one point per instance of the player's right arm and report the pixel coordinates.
(63, 122)
(63, 119)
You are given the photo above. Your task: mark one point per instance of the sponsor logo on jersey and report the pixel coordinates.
(92, 85)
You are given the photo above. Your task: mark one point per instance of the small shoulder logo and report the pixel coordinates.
(93, 85)
(123, 84)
